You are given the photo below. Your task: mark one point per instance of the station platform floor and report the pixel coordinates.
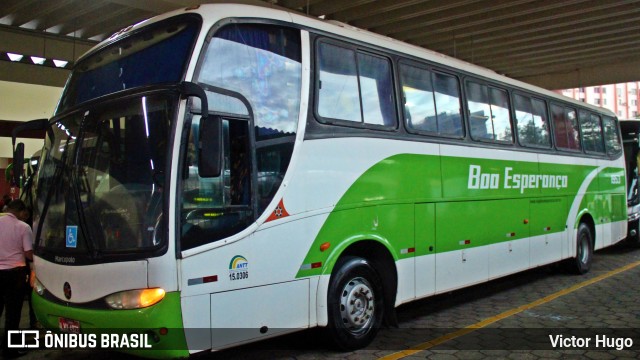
(520, 316)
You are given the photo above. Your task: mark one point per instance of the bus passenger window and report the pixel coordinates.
(479, 111)
(338, 96)
(376, 90)
(531, 119)
(419, 103)
(591, 132)
(611, 139)
(500, 115)
(488, 113)
(431, 101)
(567, 133)
(354, 86)
(447, 94)
(574, 129)
(541, 123)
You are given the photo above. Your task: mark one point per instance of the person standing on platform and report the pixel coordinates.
(15, 248)
(6, 199)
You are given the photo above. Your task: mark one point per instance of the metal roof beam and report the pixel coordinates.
(450, 16)
(515, 40)
(29, 42)
(625, 70)
(543, 21)
(380, 7)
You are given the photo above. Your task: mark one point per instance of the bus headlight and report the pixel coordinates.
(38, 287)
(135, 299)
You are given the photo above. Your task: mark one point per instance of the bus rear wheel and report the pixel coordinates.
(581, 264)
(355, 304)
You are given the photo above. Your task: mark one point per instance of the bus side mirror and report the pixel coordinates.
(210, 152)
(18, 160)
(18, 150)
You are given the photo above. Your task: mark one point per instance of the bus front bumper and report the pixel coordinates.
(162, 324)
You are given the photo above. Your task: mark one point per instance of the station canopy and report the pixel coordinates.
(550, 43)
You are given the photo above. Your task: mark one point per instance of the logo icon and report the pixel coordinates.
(238, 268)
(72, 236)
(23, 339)
(67, 290)
(239, 262)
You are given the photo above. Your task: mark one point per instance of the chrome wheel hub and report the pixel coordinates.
(357, 305)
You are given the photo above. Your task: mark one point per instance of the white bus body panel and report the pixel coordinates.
(425, 275)
(259, 312)
(91, 282)
(197, 323)
(545, 249)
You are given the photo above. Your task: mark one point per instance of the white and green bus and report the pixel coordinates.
(226, 173)
(630, 129)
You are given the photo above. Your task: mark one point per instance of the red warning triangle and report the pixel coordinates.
(279, 212)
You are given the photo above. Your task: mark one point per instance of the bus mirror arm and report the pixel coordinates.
(189, 89)
(18, 150)
(210, 134)
(18, 158)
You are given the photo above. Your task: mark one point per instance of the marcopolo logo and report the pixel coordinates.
(484, 180)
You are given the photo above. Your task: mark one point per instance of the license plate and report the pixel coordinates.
(69, 325)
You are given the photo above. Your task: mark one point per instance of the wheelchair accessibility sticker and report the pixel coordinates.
(72, 236)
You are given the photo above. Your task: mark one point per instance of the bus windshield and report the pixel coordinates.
(630, 133)
(100, 187)
(158, 54)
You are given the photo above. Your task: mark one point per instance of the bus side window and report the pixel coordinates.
(419, 103)
(559, 127)
(611, 138)
(531, 120)
(338, 96)
(573, 135)
(479, 111)
(500, 116)
(541, 123)
(354, 86)
(376, 90)
(447, 95)
(431, 101)
(591, 132)
(488, 113)
(565, 124)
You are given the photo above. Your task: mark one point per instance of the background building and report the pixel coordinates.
(622, 99)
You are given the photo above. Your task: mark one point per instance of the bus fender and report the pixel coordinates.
(351, 247)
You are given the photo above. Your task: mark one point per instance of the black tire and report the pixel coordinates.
(581, 264)
(634, 241)
(355, 304)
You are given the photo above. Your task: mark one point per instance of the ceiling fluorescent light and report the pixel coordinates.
(37, 60)
(15, 57)
(60, 63)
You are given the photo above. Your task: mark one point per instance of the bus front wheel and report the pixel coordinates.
(584, 250)
(355, 303)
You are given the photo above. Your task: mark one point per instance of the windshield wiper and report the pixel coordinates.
(82, 220)
(56, 178)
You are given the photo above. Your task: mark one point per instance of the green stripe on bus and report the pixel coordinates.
(476, 202)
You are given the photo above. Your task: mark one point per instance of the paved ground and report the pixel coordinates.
(511, 318)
